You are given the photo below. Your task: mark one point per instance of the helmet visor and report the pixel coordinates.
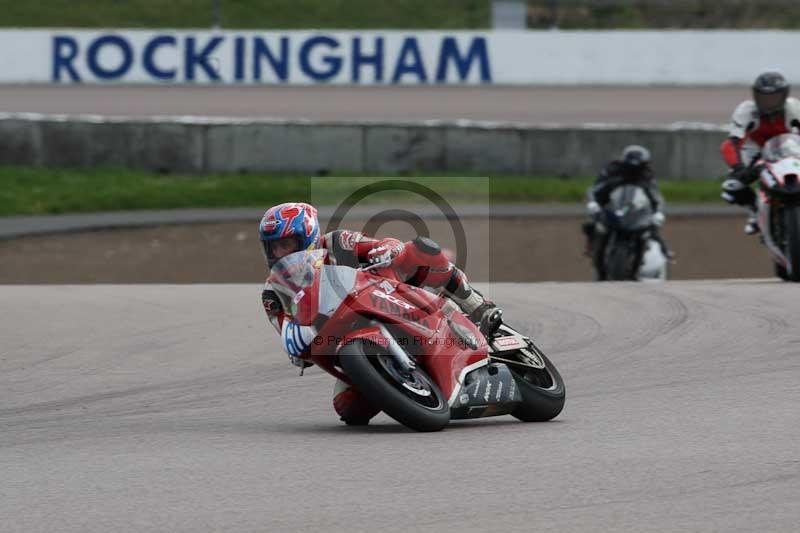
(279, 248)
(770, 103)
(634, 160)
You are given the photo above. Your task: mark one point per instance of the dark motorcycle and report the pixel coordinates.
(631, 251)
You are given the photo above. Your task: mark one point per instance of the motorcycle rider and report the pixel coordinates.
(293, 227)
(632, 167)
(771, 112)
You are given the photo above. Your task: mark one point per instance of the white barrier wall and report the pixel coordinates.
(394, 57)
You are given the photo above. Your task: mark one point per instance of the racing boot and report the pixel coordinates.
(736, 192)
(351, 406)
(488, 316)
(481, 311)
(751, 226)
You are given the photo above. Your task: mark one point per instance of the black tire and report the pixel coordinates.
(618, 260)
(791, 227)
(781, 272)
(543, 392)
(363, 365)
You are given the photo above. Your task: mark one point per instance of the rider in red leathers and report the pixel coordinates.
(771, 112)
(292, 227)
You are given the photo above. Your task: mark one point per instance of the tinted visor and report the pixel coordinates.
(770, 103)
(279, 248)
(634, 159)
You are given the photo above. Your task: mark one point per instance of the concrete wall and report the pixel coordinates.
(219, 145)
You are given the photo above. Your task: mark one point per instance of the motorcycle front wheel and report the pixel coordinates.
(781, 272)
(619, 260)
(791, 221)
(411, 398)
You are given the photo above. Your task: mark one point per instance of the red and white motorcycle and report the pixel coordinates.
(410, 352)
(779, 203)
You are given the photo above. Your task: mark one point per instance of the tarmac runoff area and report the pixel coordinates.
(173, 408)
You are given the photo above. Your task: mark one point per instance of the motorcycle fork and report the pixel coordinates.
(397, 352)
(772, 234)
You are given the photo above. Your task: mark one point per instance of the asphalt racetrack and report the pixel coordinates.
(172, 408)
(561, 105)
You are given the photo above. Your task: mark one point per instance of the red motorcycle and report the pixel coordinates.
(410, 352)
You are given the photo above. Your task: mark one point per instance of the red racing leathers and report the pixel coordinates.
(749, 130)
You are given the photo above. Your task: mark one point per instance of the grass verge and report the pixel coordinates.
(241, 14)
(402, 14)
(34, 191)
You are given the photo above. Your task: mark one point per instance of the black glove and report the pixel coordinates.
(739, 172)
(736, 192)
(271, 302)
(746, 175)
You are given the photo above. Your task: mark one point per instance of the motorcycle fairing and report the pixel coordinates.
(416, 318)
(416, 310)
(629, 209)
(776, 172)
(449, 365)
(489, 390)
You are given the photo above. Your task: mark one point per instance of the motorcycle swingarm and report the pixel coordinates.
(487, 391)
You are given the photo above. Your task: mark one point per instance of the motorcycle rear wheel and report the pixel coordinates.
(543, 391)
(413, 399)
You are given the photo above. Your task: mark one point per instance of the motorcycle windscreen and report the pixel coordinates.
(295, 279)
(782, 146)
(631, 208)
(335, 284)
